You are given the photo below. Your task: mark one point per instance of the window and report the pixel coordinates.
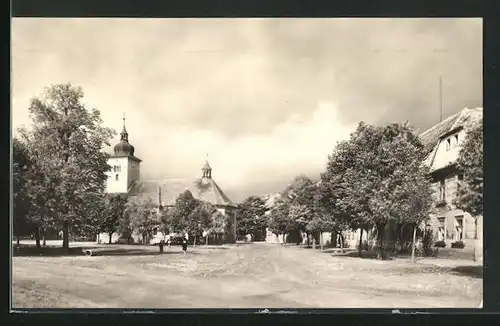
(116, 177)
(448, 144)
(456, 139)
(442, 192)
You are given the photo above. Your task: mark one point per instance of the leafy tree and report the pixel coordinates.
(185, 204)
(143, 217)
(166, 220)
(114, 209)
(470, 165)
(251, 216)
(66, 140)
(367, 176)
(190, 215)
(124, 224)
(21, 203)
(279, 221)
(201, 219)
(218, 225)
(301, 195)
(90, 222)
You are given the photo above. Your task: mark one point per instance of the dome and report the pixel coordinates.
(124, 148)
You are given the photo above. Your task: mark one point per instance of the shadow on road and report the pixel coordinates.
(48, 251)
(471, 271)
(31, 251)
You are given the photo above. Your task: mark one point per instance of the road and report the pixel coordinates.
(243, 276)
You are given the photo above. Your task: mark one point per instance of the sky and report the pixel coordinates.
(266, 99)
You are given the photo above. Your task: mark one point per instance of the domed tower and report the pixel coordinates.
(125, 167)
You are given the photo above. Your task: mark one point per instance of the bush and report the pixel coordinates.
(458, 245)
(440, 244)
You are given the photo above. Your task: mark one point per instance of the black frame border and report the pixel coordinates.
(489, 10)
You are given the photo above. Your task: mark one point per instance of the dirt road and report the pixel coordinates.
(244, 276)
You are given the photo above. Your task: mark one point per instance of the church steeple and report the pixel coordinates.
(124, 133)
(123, 148)
(207, 170)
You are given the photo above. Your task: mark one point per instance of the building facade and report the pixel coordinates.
(124, 177)
(442, 143)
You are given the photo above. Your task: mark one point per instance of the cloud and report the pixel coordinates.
(251, 92)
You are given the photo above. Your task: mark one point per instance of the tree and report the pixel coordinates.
(190, 215)
(115, 206)
(143, 217)
(368, 176)
(90, 223)
(66, 140)
(279, 221)
(470, 166)
(251, 216)
(21, 204)
(218, 225)
(300, 193)
(166, 220)
(201, 219)
(414, 196)
(124, 224)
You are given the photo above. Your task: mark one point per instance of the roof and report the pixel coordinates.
(432, 136)
(207, 166)
(167, 190)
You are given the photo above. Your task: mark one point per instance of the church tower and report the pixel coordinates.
(125, 167)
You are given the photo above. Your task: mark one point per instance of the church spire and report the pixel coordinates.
(124, 133)
(207, 170)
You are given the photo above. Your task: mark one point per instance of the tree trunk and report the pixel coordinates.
(475, 228)
(110, 237)
(206, 240)
(413, 244)
(321, 241)
(194, 242)
(381, 254)
(341, 241)
(44, 238)
(314, 242)
(308, 242)
(65, 243)
(475, 258)
(37, 237)
(360, 249)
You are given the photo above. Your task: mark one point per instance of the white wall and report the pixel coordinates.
(120, 186)
(443, 156)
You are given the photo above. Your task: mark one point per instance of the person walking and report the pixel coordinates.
(169, 242)
(184, 246)
(161, 244)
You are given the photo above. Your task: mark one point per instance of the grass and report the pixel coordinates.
(238, 276)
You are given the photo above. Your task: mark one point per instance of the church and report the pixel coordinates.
(124, 177)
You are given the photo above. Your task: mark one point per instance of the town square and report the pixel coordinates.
(247, 163)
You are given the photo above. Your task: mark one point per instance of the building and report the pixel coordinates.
(442, 143)
(124, 177)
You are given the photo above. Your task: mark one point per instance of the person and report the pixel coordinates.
(169, 242)
(161, 244)
(184, 246)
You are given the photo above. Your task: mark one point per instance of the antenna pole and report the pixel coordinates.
(440, 98)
